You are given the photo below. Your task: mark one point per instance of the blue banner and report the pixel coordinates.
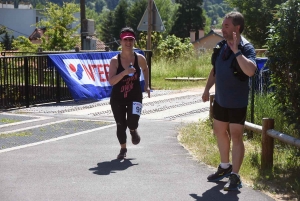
(86, 74)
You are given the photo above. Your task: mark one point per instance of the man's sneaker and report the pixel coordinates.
(135, 138)
(234, 183)
(122, 153)
(220, 174)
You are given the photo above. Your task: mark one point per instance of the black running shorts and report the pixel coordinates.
(231, 115)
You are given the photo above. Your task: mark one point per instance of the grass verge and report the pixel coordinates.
(282, 182)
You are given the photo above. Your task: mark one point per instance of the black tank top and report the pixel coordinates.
(128, 89)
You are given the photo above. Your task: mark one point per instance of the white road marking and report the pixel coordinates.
(39, 118)
(46, 124)
(55, 139)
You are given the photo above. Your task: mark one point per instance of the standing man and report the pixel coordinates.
(233, 63)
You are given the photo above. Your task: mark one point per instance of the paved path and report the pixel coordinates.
(67, 152)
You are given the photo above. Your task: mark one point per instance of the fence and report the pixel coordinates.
(268, 136)
(31, 80)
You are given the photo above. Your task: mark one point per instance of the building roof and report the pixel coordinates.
(218, 31)
(100, 45)
(212, 32)
(37, 34)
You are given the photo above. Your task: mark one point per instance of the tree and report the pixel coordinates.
(283, 60)
(37, 3)
(189, 17)
(106, 28)
(167, 10)
(23, 44)
(258, 15)
(2, 30)
(99, 5)
(112, 4)
(58, 35)
(156, 39)
(98, 19)
(135, 14)
(7, 41)
(173, 47)
(120, 16)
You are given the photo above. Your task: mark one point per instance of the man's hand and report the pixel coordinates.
(147, 90)
(205, 96)
(233, 44)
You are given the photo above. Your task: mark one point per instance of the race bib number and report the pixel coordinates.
(137, 108)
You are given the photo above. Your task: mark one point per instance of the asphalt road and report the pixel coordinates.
(68, 151)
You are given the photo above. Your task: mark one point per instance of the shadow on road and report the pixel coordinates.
(107, 167)
(216, 194)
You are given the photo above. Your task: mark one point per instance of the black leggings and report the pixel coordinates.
(120, 111)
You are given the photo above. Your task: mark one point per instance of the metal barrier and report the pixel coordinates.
(31, 80)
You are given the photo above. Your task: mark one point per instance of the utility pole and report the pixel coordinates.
(150, 9)
(82, 18)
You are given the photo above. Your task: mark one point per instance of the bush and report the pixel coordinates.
(283, 60)
(23, 44)
(173, 47)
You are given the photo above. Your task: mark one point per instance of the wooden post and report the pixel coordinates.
(267, 144)
(150, 10)
(82, 17)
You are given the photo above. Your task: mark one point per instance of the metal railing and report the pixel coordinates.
(31, 80)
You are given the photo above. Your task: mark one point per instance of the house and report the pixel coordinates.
(95, 44)
(7, 5)
(206, 42)
(38, 33)
(21, 21)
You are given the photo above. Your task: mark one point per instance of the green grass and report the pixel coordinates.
(18, 134)
(5, 120)
(282, 181)
(185, 67)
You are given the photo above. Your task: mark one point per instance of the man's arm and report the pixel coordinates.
(210, 82)
(145, 69)
(247, 61)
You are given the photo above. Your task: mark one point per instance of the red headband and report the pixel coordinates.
(126, 35)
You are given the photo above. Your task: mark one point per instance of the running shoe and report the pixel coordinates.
(220, 174)
(234, 183)
(135, 138)
(122, 153)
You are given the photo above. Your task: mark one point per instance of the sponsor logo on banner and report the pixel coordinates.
(85, 72)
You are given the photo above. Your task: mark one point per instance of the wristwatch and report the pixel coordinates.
(238, 53)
